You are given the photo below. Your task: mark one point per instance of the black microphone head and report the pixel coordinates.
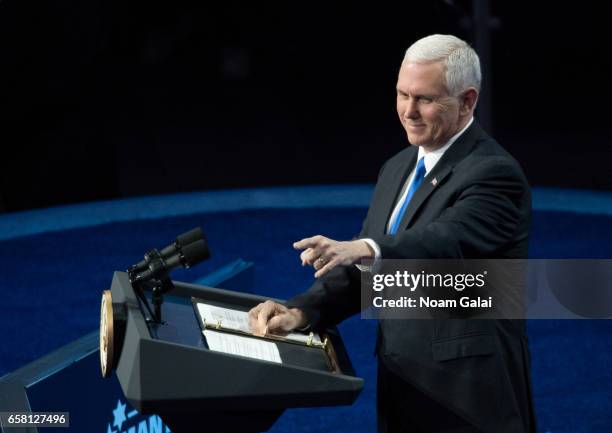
(190, 237)
(195, 252)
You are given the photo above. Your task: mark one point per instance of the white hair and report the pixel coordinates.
(462, 66)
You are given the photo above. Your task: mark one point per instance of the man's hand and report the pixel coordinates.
(324, 254)
(273, 318)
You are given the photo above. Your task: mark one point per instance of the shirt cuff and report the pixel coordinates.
(377, 257)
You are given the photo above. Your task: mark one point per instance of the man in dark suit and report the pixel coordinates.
(455, 193)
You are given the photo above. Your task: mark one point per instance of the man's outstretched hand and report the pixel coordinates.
(273, 318)
(324, 254)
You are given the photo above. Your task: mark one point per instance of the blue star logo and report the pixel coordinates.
(119, 414)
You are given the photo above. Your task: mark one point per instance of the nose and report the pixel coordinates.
(412, 109)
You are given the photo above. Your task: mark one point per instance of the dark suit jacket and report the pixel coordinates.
(479, 208)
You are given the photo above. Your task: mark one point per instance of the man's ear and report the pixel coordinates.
(468, 101)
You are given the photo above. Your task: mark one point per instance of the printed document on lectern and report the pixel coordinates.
(243, 346)
(214, 317)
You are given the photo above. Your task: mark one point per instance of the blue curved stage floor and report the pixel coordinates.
(55, 262)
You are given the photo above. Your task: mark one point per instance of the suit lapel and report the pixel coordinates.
(424, 191)
(458, 150)
(394, 180)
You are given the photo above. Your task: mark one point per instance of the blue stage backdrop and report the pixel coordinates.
(54, 263)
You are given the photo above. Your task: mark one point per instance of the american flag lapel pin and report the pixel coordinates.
(434, 182)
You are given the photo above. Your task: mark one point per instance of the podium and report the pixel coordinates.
(167, 369)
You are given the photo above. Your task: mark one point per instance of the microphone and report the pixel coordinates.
(194, 253)
(187, 250)
(181, 241)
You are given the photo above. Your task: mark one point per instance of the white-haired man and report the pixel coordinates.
(455, 193)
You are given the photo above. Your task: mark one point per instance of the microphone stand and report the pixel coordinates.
(153, 272)
(158, 286)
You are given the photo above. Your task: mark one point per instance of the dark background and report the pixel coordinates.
(104, 99)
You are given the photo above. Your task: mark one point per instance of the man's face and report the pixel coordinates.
(428, 113)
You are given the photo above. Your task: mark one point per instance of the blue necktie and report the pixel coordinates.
(419, 175)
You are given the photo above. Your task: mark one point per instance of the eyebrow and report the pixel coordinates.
(422, 95)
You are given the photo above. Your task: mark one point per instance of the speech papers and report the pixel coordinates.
(243, 346)
(236, 320)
